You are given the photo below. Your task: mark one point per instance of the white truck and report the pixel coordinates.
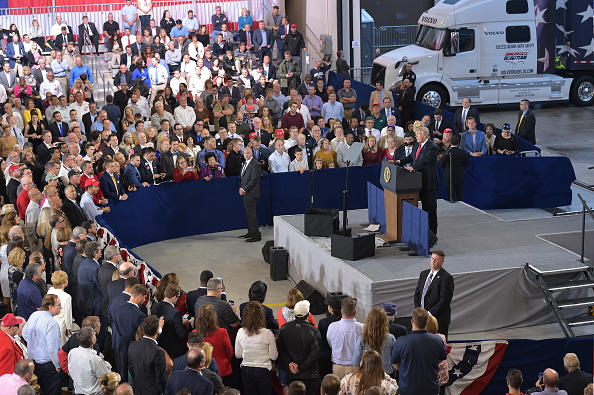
(498, 51)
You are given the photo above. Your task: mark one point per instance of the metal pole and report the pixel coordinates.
(583, 233)
(451, 179)
(345, 204)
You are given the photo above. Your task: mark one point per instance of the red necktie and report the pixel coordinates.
(418, 152)
(249, 39)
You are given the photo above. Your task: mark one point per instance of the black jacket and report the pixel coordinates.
(174, 331)
(458, 160)
(146, 362)
(299, 342)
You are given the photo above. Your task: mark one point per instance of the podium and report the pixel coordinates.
(400, 185)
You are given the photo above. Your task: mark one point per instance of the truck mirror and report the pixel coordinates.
(451, 48)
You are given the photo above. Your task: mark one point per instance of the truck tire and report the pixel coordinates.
(582, 91)
(433, 95)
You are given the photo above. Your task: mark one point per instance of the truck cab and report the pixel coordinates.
(491, 51)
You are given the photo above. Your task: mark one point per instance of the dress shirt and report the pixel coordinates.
(175, 31)
(86, 368)
(156, 118)
(342, 336)
(187, 67)
(10, 383)
(32, 213)
(129, 11)
(54, 87)
(174, 84)
(42, 334)
(185, 116)
(88, 206)
(173, 57)
(76, 72)
(158, 75)
(59, 68)
(313, 101)
(335, 111)
(190, 23)
(81, 109)
(373, 132)
(279, 163)
(18, 133)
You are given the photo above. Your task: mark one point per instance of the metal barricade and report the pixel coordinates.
(362, 74)
(390, 37)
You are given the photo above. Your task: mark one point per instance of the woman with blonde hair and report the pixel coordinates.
(376, 336)
(30, 108)
(287, 313)
(127, 121)
(206, 323)
(78, 86)
(109, 382)
(444, 374)
(64, 319)
(127, 143)
(325, 153)
(371, 154)
(7, 141)
(16, 260)
(371, 373)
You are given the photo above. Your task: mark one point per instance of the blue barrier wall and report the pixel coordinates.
(189, 208)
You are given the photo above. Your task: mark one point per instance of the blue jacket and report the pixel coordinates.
(11, 54)
(132, 174)
(125, 319)
(89, 293)
(190, 379)
(257, 37)
(108, 188)
(468, 145)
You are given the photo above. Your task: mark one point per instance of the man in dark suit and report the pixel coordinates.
(146, 360)
(125, 317)
(122, 75)
(526, 127)
(435, 290)
(149, 168)
(389, 110)
(15, 51)
(191, 378)
(127, 280)
(260, 153)
(70, 206)
(8, 78)
(454, 161)
(88, 34)
(110, 182)
(111, 260)
(127, 58)
(89, 118)
(406, 102)
(172, 339)
(424, 159)
(306, 149)
(263, 36)
(575, 381)
(462, 115)
(138, 47)
(89, 293)
(249, 188)
(405, 149)
(38, 72)
(342, 67)
(246, 35)
(58, 128)
(63, 39)
(438, 124)
(268, 68)
(166, 163)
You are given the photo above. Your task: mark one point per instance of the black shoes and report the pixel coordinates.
(245, 236)
(253, 239)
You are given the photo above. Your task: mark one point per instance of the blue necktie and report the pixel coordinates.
(61, 131)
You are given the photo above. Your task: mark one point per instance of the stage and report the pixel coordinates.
(484, 254)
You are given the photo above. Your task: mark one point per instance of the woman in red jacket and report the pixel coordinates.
(206, 323)
(184, 172)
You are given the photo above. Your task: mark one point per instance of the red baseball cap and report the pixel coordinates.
(13, 167)
(293, 25)
(376, 104)
(279, 133)
(253, 134)
(448, 130)
(91, 181)
(10, 320)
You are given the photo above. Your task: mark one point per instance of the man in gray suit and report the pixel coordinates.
(249, 188)
(8, 78)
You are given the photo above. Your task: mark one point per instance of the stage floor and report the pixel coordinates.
(486, 256)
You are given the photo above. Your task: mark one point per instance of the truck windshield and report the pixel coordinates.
(430, 37)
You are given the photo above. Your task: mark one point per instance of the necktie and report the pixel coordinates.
(418, 152)
(243, 168)
(156, 76)
(64, 39)
(249, 39)
(88, 34)
(425, 288)
(464, 113)
(437, 125)
(474, 142)
(519, 123)
(115, 183)
(61, 130)
(408, 151)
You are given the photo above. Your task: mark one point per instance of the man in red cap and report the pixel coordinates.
(86, 201)
(10, 352)
(294, 43)
(14, 171)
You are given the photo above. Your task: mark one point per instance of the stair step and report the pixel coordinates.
(581, 269)
(581, 320)
(578, 302)
(578, 284)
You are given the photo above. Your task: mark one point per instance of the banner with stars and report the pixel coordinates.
(472, 365)
(575, 22)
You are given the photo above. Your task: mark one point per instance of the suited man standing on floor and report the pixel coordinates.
(424, 159)
(173, 337)
(526, 127)
(146, 360)
(249, 188)
(454, 160)
(462, 114)
(435, 290)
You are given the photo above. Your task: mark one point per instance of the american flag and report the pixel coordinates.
(472, 365)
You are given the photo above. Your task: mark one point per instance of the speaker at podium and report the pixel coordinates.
(400, 185)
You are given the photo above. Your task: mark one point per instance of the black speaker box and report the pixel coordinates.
(315, 298)
(320, 222)
(279, 263)
(352, 247)
(266, 250)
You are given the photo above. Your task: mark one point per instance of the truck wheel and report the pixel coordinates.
(433, 95)
(582, 91)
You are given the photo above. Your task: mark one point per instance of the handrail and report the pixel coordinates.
(585, 208)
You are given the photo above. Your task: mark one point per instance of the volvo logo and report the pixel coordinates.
(494, 33)
(429, 20)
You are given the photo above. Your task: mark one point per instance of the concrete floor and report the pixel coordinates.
(561, 129)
